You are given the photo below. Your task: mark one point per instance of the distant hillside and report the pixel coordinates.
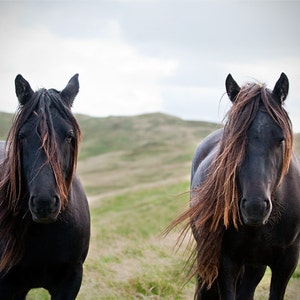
(5, 124)
(119, 153)
(140, 134)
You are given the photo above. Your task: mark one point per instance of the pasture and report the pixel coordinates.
(136, 173)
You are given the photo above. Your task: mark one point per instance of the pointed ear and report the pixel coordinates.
(23, 89)
(232, 88)
(69, 93)
(281, 88)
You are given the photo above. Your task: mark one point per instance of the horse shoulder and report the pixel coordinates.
(203, 156)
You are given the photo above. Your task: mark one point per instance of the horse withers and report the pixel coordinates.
(245, 197)
(44, 214)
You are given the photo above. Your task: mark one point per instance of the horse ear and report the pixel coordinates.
(69, 93)
(23, 89)
(232, 88)
(281, 88)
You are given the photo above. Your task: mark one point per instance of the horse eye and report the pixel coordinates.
(70, 136)
(281, 141)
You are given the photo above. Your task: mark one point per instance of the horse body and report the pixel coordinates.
(45, 221)
(267, 230)
(251, 249)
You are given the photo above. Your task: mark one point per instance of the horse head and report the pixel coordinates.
(46, 140)
(264, 162)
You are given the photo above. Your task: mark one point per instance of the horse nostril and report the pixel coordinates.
(267, 204)
(56, 201)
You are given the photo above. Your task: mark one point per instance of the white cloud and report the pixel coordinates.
(196, 103)
(142, 56)
(115, 78)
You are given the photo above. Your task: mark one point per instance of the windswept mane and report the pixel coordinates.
(13, 193)
(215, 203)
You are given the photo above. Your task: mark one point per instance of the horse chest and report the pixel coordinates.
(52, 244)
(255, 245)
(242, 244)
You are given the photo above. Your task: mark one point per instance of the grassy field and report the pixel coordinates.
(136, 172)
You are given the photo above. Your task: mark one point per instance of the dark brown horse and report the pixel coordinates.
(44, 215)
(245, 197)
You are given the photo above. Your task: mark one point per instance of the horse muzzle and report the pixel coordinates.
(44, 209)
(255, 212)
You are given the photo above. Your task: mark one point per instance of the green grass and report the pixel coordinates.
(136, 262)
(5, 124)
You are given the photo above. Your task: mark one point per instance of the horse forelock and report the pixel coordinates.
(215, 202)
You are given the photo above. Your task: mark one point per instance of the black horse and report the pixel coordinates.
(44, 214)
(245, 197)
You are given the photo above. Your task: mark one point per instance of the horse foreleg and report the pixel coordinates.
(202, 293)
(229, 273)
(249, 281)
(68, 288)
(282, 271)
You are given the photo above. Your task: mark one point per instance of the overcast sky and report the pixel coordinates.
(139, 56)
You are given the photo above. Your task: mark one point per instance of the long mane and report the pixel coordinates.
(14, 218)
(215, 203)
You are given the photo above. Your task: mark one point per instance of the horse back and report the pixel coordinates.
(203, 157)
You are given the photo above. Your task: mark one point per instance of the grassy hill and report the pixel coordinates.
(136, 172)
(126, 152)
